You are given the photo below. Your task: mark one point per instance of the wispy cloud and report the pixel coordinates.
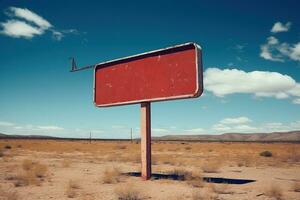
(260, 83)
(280, 27)
(24, 23)
(237, 120)
(277, 51)
(2, 123)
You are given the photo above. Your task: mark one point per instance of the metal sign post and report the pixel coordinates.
(146, 140)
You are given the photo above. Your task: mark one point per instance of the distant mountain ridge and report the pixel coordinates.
(275, 136)
(291, 136)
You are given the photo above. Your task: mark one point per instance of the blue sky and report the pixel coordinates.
(251, 59)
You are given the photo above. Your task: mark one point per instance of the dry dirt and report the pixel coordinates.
(49, 169)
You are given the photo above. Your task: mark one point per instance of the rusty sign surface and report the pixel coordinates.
(165, 74)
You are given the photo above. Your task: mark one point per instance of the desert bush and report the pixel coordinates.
(181, 173)
(121, 147)
(26, 178)
(266, 154)
(211, 167)
(188, 148)
(1, 153)
(40, 170)
(296, 187)
(111, 176)
(8, 194)
(7, 146)
(73, 184)
(128, 192)
(245, 160)
(27, 164)
(274, 192)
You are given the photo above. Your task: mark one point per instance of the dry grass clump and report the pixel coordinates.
(211, 167)
(71, 189)
(128, 192)
(193, 178)
(274, 192)
(296, 187)
(8, 194)
(32, 174)
(26, 178)
(244, 161)
(27, 164)
(111, 176)
(266, 154)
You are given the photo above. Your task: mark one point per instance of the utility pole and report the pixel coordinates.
(131, 135)
(90, 137)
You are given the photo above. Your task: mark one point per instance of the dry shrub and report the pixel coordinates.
(7, 146)
(274, 192)
(66, 163)
(294, 155)
(32, 174)
(296, 187)
(195, 179)
(40, 170)
(244, 161)
(26, 178)
(211, 167)
(73, 184)
(121, 147)
(71, 189)
(266, 154)
(128, 192)
(111, 176)
(27, 164)
(181, 173)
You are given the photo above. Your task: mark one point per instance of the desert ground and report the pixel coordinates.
(58, 169)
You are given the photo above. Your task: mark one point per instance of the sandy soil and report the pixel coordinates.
(78, 170)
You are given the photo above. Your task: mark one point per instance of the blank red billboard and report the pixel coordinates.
(165, 74)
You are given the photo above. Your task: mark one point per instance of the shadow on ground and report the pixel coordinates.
(156, 176)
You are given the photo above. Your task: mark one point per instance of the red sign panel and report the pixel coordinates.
(170, 73)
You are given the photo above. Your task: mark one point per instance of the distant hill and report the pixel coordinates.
(2, 135)
(292, 136)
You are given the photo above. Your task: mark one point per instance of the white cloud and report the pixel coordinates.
(29, 25)
(280, 27)
(195, 130)
(238, 120)
(50, 128)
(267, 50)
(296, 101)
(295, 52)
(160, 130)
(30, 16)
(17, 29)
(260, 83)
(2, 123)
